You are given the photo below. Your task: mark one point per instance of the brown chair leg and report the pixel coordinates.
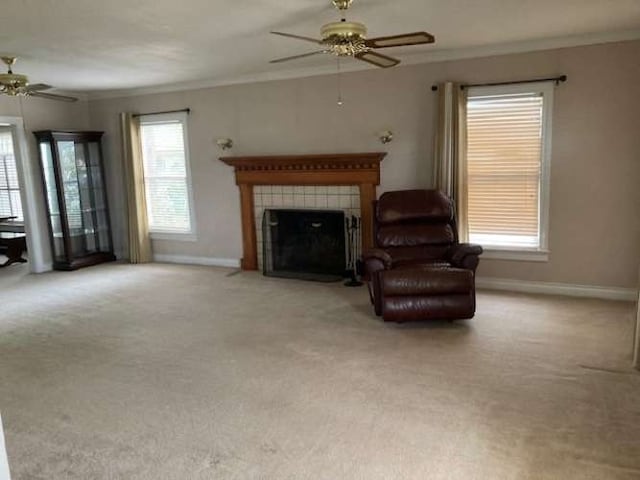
(14, 252)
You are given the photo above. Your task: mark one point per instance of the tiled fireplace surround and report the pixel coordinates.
(329, 181)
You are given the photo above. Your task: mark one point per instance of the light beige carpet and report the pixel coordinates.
(175, 372)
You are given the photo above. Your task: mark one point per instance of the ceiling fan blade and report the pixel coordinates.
(36, 87)
(298, 37)
(415, 38)
(295, 57)
(53, 96)
(378, 59)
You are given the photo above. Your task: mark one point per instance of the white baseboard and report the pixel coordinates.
(190, 260)
(549, 288)
(488, 283)
(41, 267)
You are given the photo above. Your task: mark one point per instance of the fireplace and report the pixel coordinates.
(345, 170)
(305, 244)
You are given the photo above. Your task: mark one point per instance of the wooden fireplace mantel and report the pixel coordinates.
(361, 169)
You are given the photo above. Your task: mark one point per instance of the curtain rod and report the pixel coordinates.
(557, 80)
(187, 110)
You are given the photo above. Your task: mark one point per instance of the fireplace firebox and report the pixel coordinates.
(304, 244)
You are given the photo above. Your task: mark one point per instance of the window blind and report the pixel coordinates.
(10, 203)
(165, 177)
(504, 154)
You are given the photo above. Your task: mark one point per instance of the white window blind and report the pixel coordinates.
(505, 164)
(166, 176)
(10, 203)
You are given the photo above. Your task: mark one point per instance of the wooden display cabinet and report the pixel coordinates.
(74, 189)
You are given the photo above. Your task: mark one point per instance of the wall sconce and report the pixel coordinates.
(385, 136)
(224, 143)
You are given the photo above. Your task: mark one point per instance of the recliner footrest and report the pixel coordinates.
(436, 307)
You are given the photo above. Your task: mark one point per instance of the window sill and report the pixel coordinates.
(516, 255)
(174, 237)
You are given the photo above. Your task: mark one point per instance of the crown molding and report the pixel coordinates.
(554, 43)
(410, 59)
(226, 81)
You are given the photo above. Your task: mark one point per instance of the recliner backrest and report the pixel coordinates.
(413, 223)
(408, 206)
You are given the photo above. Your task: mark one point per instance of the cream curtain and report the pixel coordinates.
(139, 239)
(450, 168)
(636, 343)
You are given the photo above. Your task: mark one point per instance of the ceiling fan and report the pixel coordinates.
(348, 39)
(15, 84)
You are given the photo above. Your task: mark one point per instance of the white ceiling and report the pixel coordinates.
(83, 45)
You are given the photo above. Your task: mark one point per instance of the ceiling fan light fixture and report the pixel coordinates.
(345, 39)
(13, 84)
(342, 4)
(343, 30)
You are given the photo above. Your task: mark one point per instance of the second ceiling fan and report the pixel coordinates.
(349, 39)
(17, 85)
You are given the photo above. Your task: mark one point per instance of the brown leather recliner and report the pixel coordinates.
(419, 270)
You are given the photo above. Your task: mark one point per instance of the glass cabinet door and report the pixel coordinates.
(51, 193)
(101, 218)
(69, 160)
(84, 194)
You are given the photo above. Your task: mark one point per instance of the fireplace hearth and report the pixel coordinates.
(304, 244)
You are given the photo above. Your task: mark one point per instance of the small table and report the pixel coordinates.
(11, 224)
(15, 243)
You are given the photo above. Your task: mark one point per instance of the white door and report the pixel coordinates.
(4, 462)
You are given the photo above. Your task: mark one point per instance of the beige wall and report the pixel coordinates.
(594, 221)
(40, 114)
(294, 116)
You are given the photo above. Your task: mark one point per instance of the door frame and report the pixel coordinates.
(4, 461)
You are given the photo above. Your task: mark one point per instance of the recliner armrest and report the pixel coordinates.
(375, 260)
(378, 254)
(464, 255)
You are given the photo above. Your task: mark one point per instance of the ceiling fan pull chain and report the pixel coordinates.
(339, 84)
(24, 119)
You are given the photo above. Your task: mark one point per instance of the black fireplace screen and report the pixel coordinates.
(305, 244)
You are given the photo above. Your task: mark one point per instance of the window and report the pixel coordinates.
(167, 176)
(508, 147)
(10, 203)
